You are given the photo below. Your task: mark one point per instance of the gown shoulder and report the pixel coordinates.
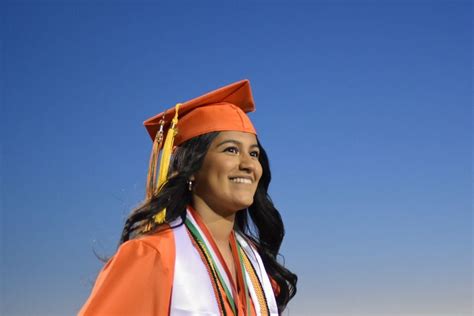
(137, 280)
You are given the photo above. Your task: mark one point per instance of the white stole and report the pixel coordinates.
(193, 293)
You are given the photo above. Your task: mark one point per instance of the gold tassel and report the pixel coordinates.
(151, 177)
(165, 162)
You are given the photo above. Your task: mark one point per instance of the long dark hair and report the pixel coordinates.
(261, 222)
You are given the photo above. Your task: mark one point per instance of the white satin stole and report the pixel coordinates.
(193, 293)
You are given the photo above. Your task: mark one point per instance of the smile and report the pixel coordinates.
(241, 180)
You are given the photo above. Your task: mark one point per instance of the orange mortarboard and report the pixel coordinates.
(219, 110)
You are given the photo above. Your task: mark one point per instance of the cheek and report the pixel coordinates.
(223, 167)
(259, 171)
(218, 172)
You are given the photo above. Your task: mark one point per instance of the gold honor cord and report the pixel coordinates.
(198, 236)
(256, 284)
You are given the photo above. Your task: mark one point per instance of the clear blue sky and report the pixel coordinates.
(363, 107)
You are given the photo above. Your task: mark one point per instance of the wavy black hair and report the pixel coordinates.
(261, 222)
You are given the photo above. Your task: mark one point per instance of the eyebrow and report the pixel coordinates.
(237, 142)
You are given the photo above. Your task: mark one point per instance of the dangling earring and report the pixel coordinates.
(190, 185)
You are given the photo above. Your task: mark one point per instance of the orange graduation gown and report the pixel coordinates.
(138, 280)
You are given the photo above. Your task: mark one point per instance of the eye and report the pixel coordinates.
(255, 154)
(232, 149)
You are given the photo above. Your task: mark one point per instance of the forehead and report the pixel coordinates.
(240, 137)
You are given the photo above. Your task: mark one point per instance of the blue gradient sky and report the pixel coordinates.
(364, 109)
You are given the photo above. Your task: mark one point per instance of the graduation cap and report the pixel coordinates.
(219, 110)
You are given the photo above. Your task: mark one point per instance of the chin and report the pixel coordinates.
(243, 204)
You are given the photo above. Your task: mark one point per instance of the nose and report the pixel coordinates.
(247, 163)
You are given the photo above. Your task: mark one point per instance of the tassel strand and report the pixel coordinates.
(160, 217)
(151, 177)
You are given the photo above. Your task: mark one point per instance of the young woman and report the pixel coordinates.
(206, 239)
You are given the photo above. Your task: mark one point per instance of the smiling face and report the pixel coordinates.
(230, 172)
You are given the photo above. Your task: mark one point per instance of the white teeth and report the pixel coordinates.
(241, 180)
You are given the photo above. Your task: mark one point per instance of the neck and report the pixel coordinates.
(220, 226)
